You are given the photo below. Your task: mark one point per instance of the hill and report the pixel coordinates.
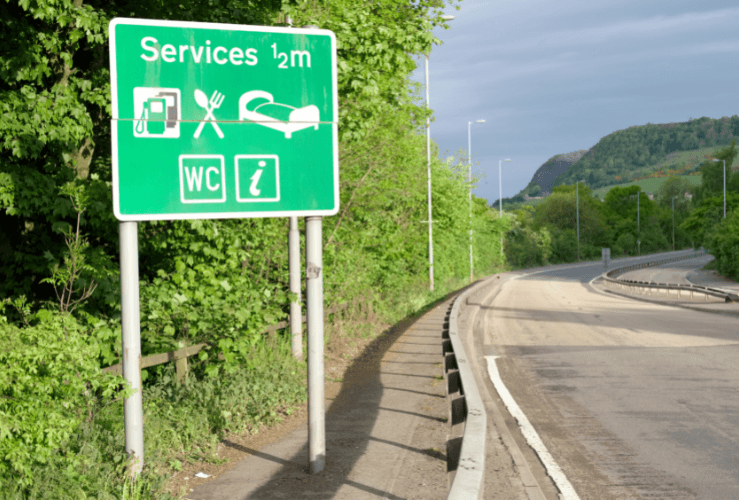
(638, 152)
(545, 176)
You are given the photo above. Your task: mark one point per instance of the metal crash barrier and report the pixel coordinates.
(697, 293)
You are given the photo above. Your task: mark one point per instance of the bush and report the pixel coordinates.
(724, 245)
(50, 384)
(564, 246)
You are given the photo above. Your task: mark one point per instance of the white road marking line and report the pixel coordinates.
(554, 470)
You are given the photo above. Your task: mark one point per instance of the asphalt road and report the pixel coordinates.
(632, 399)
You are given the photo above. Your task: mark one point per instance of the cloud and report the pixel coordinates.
(553, 77)
(629, 30)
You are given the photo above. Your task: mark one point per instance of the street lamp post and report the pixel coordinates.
(428, 169)
(500, 197)
(469, 180)
(577, 194)
(724, 185)
(638, 224)
(673, 223)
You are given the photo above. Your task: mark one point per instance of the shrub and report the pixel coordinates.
(49, 385)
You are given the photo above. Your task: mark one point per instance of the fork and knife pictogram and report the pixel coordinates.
(209, 105)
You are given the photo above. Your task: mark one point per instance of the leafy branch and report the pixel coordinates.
(70, 290)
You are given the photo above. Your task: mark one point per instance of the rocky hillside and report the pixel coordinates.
(552, 168)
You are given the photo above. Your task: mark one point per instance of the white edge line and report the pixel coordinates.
(554, 470)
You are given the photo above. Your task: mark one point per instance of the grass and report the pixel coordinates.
(692, 157)
(673, 161)
(648, 185)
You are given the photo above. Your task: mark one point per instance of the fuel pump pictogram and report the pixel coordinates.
(156, 112)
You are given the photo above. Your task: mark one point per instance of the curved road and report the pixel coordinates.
(632, 399)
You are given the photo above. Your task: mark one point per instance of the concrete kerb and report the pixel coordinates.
(468, 481)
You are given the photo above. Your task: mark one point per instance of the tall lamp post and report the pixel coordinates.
(500, 197)
(428, 169)
(724, 185)
(469, 180)
(673, 223)
(577, 194)
(638, 223)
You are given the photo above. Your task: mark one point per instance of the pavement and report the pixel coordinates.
(386, 430)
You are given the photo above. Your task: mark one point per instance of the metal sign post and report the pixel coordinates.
(314, 313)
(296, 315)
(131, 337)
(223, 121)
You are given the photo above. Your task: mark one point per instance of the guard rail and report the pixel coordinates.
(667, 290)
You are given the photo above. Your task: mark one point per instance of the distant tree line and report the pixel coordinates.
(547, 233)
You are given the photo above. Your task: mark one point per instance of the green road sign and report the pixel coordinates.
(218, 120)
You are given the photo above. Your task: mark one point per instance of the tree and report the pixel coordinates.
(703, 221)
(674, 186)
(713, 171)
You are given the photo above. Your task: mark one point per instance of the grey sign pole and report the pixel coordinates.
(314, 312)
(296, 314)
(131, 337)
(428, 171)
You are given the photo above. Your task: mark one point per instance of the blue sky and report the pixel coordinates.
(555, 76)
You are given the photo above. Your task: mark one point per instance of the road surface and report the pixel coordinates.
(632, 399)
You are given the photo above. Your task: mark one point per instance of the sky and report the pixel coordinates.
(555, 76)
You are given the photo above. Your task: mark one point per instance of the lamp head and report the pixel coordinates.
(715, 159)
(480, 121)
(447, 18)
(507, 159)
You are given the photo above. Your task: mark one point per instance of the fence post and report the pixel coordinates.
(181, 362)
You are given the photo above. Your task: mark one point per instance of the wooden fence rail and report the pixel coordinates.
(180, 355)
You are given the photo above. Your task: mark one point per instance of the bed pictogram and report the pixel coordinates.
(259, 107)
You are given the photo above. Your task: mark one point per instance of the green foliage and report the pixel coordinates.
(375, 45)
(704, 220)
(50, 384)
(712, 182)
(525, 246)
(564, 246)
(724, 245)
(674, 187)
(707, 225)
(616, 223)
(560, 211)
(217, 282)
(625, 153)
